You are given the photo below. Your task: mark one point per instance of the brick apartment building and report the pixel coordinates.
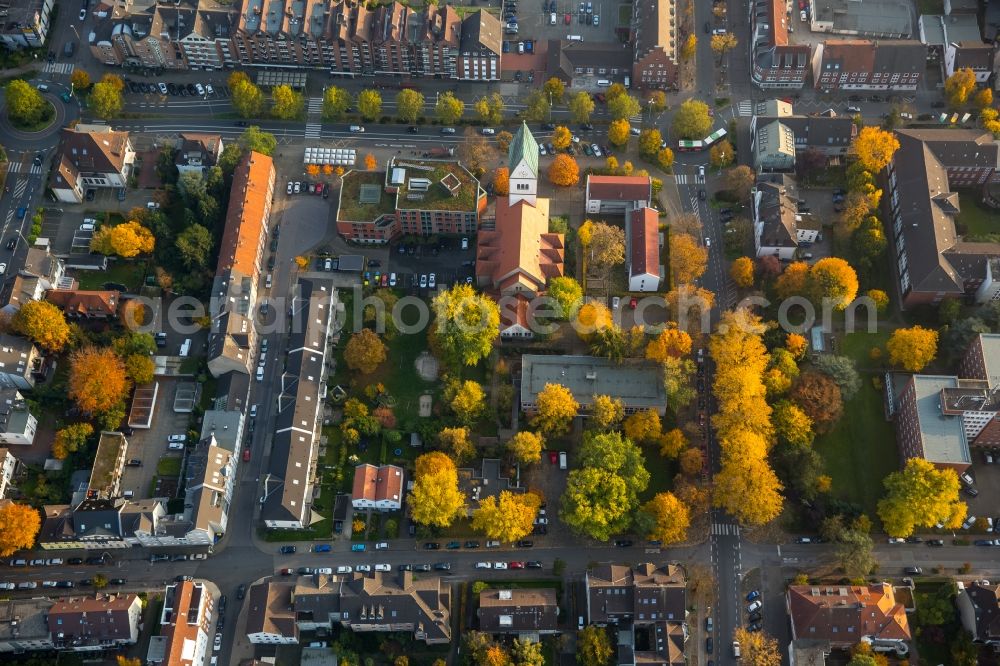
(654, 35)
(777, 63)
(862, 64)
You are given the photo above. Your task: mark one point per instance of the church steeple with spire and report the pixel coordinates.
(522, 160)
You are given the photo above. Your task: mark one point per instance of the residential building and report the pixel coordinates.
(47, 267)
(24, 625)
(521, 612)
(419, 196)
(937, 31)
(776, 62)
(638, 384)
(644, 600)
(846, 615)
(861, 64)
(8, 470)
(227, 426)
(107, 466)
(778, 136)
(185, 622)
(90, 157)
(581, 64)
(519, 256)
(779, 229)
(87, 305)
(378, 487)
(979, 611)
(489, 480)
(975, 55)
(942, 418)
(232, 343)
(211, 476)
(384, 602)
(270, 616)
(478, 56)
(884, 19)
(17, 423)
(26, 24)
(198, 152)
(617, 195)
(930, 261)
(21, 363)
(642, 240)
(654, 37)
(288, 483)
(92, 624)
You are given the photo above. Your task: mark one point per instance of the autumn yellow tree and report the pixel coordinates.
(607, 246)
(721, 154)
(665, 158)
(591, 317)
(920, 496)
(688, 258)
(757, 648)
(364, 351)
(669, 516)
(879, 298)
(555, 408)
(671, 342)
(643, 426)
(690, 47)
(97, 379)
(672, 443)
(457, 443)
(501, 181)
(606, 412)
(741, 271)
(833, 278)
(618, 132)
(435, 499)
(796, 345)
(70, 439)
(793, 281)
(912, 348)
(983, 99)
(80, 80)
(525, 447)
(43, 323)
(691, 461)
(467, 400)
(561, 138)
(959, 86)
(509, 518)
(19, 525)
(465, 327)
(875, 147)
(128, 239)
(564, 171)
(370, 162)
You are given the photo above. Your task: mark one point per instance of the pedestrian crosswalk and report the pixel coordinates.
(725, 529)
(19, 187)
(315, 105)
(746, 108)
(16, 167)
(689, 179)
(313, 130)
(13, 167)
(58, 68)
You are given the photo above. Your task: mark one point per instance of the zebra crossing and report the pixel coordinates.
(689, 179)
(58, 68)
(33, 170)
(313, 130)
(725, 529)
(19, 187)
(746, 108)
(315, 105)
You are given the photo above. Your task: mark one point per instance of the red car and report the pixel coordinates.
(516, 565)
(385, 279)
(633, 303)
(553, 457)
(568, 19)
(246, 455)
(803, 4)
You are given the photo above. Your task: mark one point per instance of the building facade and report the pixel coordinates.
(90, 157)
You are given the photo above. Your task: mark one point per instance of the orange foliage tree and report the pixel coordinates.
(19, 525)
(370, 162)
(501, 181)
(97, 379)
(564, 171)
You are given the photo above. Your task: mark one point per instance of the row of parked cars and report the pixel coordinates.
(172, 89)
(503, 566)
(298, 187)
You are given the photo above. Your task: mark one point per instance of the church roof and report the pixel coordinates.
(523, 147)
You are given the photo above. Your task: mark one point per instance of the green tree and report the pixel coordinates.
(257, 140)
(106, 99)
(920, 496)
(568, 295)
(24, 103)
(409, 104)
(194, 246)
(70, 439)
(581, 106)
(449, 109)
(247, 99)
(623, 107)
(524, 651)
(536, 106)
(467, 324)
(692, 120)
(490, 108)
(842, 371)
(369, 104)
(650, 141)
(593, 646)
(336, 102)
(286, 104)
(555, 88)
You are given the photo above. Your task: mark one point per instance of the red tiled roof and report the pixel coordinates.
(182, 625)
(521, 255)
(92, 619)
(377, 484)
(842, 614)
(645, 242)
(619, 188)
(84, 303)
(249, 204)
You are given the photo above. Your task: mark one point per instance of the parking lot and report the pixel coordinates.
(987, 483)
(447, 261)
(535, 20)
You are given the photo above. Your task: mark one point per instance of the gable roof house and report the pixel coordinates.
(378, 487)
(270, 616)
(198, 152)
(211, 475)
(654, 36)
(975, 55)
(617, 194)
(288, 483)
(185, 620)
(778, 227)
(520, 256)
(778, 135)
(978, 605)
(24, 625)
(81, 304)
(581, 64)
(862, 64)
(21, 363)
(533, 612)
(776, 61)
(233, 339)
(90, 156)
(642, 240)
(931, 262)
(478, 55)
(17, 423)
(89, 624)
(844, 615)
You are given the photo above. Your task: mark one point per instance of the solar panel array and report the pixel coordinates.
(334, 156)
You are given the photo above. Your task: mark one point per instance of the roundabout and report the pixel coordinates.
(15, 137)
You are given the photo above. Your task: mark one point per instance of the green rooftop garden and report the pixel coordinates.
(438, 196)
(351, 207)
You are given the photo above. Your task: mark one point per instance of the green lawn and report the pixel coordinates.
(861, 450)
(661, 472)
(127, 273)
(169, 467)
(975, 218)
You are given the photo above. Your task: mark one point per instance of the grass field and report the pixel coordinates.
(976, 219)
(861, 450)
(127, 273)
(169, 467)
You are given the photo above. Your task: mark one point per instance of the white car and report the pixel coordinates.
(423, 280)
(392, 280)
(708, 242)
(200, 88)
(635, 131)
(177, 438)
(896, 540)
(541, 149)
(83, 14)
(290, 186)
(489, 131)
(344, 570)
(432, 280)
(217, 644)
(615, 302)
(596, 149)
(175, 446)
(298, 187)
(966, 478)
(209, 89)
(754, 607)
(27, 585)
(484, 565)
(365, 568)
(3, 268)
(56, 562)
(163, 87)
(499, 565)
(382, 545)
(969, 522)
(48, 583)
(324, 570)
(383, 567)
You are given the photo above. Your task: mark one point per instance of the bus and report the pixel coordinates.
(690, 146)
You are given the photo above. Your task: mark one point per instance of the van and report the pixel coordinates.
(253, 411)
(357, 129)
(260, 373)
(552, 18)
(575, 38)
(719, 31)
(562, 460)
(579, 623)
(128, 494)
(87, 227)
(42, 87)
(492, 544)
(736, 649)
(604, 83)
(267, 281)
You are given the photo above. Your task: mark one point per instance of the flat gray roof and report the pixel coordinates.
(639, 384)
(991, 354)
(943, 436)
(871, 17)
